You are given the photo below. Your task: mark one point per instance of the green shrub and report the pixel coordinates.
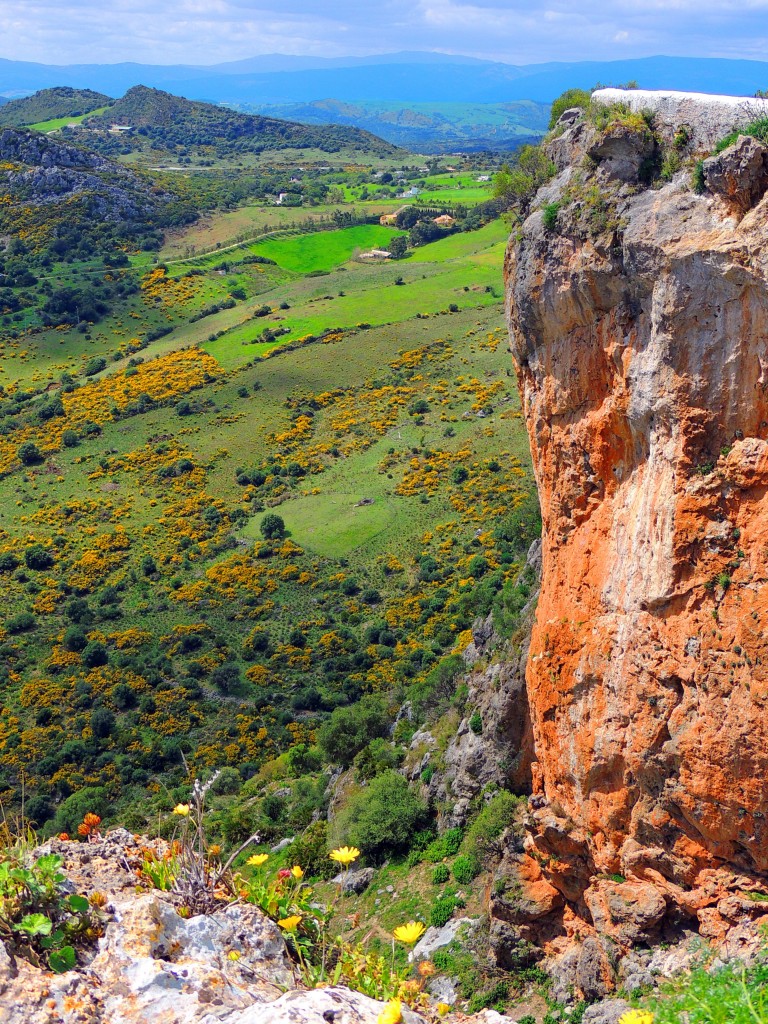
(310, 851)
(570, 98)
(498, 814)
(698, 181)
(476, 723)
(38, 557)
(92, 799)
(445, 845)
(756, 129)
(731, 995)
(20, 623)
(382, 818)
(549, 216)
(29, 454)
(272, 526)
(379, 756)
(522, 526)
(442, 910)
(351, 728)
(465, 869)
(95, 654)
(518, 183)
(440, 874)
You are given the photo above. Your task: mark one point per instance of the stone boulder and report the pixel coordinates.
(622, 151)
(630, 912)
(739, 175)
(355, 881)
(321, 1006)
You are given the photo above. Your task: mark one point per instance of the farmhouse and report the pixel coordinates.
(376, 254)
(444, 221)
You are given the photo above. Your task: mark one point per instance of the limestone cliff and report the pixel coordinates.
(639, 327)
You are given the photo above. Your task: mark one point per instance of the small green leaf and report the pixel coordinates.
(51, 941)
(35, 924)
(62, 960)
(78, 904)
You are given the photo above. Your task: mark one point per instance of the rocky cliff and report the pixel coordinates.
(638, 313)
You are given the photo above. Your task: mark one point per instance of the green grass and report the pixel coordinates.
(324, 249)
(62, 122)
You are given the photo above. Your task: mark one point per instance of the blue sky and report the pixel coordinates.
(516, 31)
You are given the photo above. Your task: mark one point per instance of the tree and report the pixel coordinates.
(272, 526)
(383, 818)
(351, 728)
(95, 654)
(38, 557)
(516, 185)
(29, 454)
(398, 247)
(102, 723)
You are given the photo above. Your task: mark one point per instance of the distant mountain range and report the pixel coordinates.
(398, 77)
(423, 101)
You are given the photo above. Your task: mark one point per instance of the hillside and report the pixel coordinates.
(170, 122)
(60, 202)
(50, 104)
(429, 127)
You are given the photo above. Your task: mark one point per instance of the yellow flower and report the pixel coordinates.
(233, 955)
(636, 1017)
(410, 932)
(181, 809)
(442, 1009)
(345, 855)
(297, 872)
(214, 850)
(258, 859)
(290, 924)
(392, 1012)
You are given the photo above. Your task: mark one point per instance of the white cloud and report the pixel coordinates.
(519, 31)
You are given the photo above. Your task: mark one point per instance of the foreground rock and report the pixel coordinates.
(639, 329)
(155, 966)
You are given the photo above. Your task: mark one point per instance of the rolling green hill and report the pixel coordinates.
(50, 104)
(161, 121)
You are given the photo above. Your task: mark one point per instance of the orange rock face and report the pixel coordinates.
(642, 354)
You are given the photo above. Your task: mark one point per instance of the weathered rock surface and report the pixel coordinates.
(706, 118)
(739, 174)
(155, 966)
(641, 343)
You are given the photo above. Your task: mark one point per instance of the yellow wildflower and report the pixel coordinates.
(392, 1012)
(297, 872)
(345, 855)
(290, 924)
(258, 859)
(636, 1017)
(233, 955)
(409, 933)
(442, 1009)
(182, 810)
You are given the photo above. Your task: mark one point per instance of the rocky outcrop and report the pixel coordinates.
(639, 328)
(703, 118)
(157, 964)
(499, 754)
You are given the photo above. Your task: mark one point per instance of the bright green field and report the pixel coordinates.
(62, 122)
(324, 249)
